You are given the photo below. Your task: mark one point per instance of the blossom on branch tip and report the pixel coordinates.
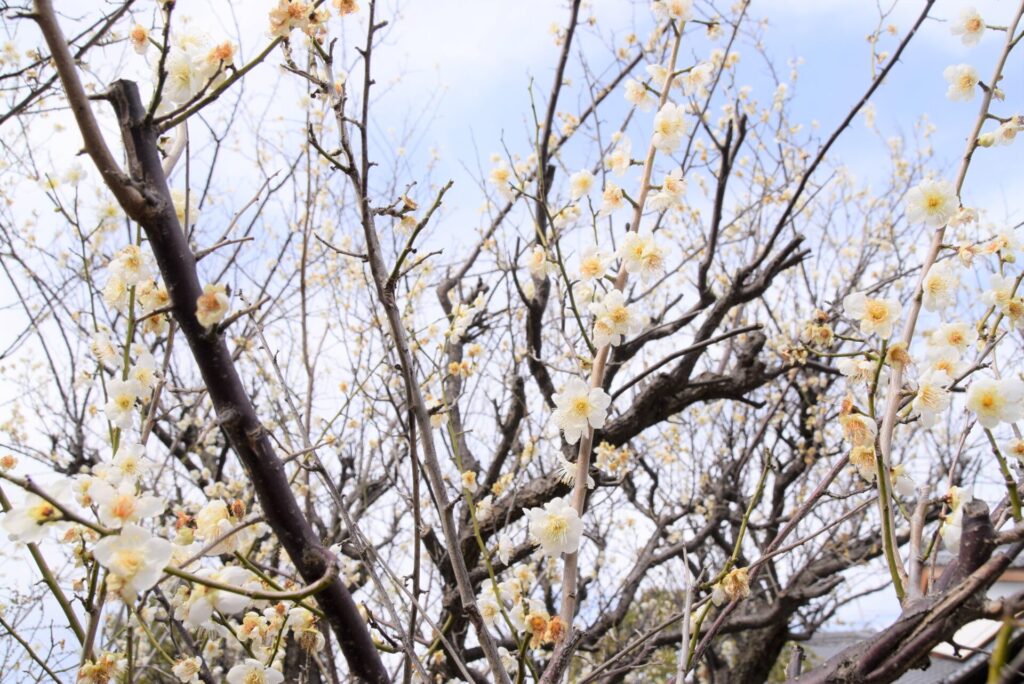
(289, 15)
(963, 81)
(970, 26)
(139, 37)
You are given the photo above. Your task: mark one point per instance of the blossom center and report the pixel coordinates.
(129, 562)
(124, 507)
(581, 406)
(556, 527)
(876, 310)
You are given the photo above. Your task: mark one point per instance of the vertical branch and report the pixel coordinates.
(146, 198)
(385, 287)
(885, 433)
(570, 573)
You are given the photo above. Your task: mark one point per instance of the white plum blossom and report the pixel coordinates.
(612, 199)
(932, 397)
(538, 264)
(944, 359)
(505, 546)
(27, 523)
(187, 670)
(970, 26)
(641, 255)
(556, 527)
(858, 429)
(963, 82)
(677, 10)
(618, 160)
(932, 202)
(580, 183)
(185, 202)
(952, 524)
(860, 370)
(144, 370)
(121, 505)
(671, 193)
(139, 37)
(213, 521)
(696, 80)
(614, 319)
(104, 350)
(135, 559)
(116, 293)
(501, 177)
(488, 605)
(902, 483)
(639, 96)
(1008, 130)
(567, 472)
(252, 671)
(203, 600)
(1014, 447)
(131, 265)
(1002, 295)
(578, 406)
(996, 401)
(212, 306)
(593, 264)
(120, 406)
(669, 128)
(658, 73)
(875, 315)
(940, 286)
(955, 335)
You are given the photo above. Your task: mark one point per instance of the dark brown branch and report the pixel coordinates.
(235, 410)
